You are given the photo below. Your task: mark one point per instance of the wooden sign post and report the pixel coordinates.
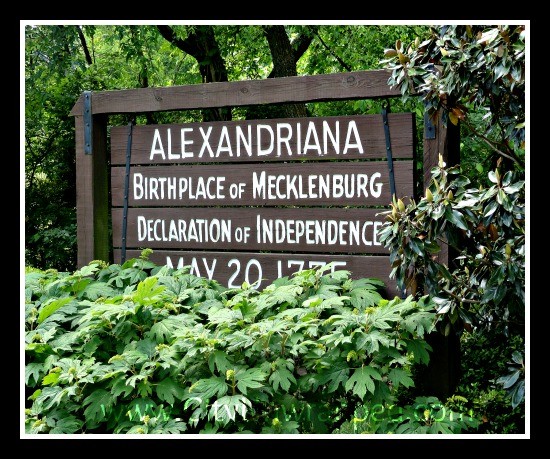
(252, 200)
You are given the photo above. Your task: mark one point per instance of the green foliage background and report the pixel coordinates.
(480, 81)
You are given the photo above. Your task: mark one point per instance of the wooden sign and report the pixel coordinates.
(260, 269)
(257, 200)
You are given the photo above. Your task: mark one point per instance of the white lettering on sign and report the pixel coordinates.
(314, 232)
(192, 230)
(272, 231)
(288, 186)
(279, 139)
(247, 270)
(150, 188)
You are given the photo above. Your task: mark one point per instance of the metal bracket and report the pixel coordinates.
(126, 194)
(389, 156)
(429, 128)
(88, 144)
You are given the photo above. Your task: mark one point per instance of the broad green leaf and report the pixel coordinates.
(67, 425)
(147, 347)
(99, 404)
(97, 289)
(371, 341)
(283, 378)
(419, 350)
(206, 388)
(382, 317)
(367, 282)
(163, 331)
(140, 407)
(334, 376)
(50, 379)
(287, 293)
(250, 379)
(172, 426)
(225, 409)
(120, 387)
(34, 370)
(218, 360)
(65, 342)
(362, 298)
(399, 376)
(148, 292)
(50, 396)
(362, 380)
(169, 391)
(87, 270)
(47, 310)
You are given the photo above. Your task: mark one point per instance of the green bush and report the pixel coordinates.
(483, 357)
(139, 348)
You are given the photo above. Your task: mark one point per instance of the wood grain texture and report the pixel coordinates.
(208, 185)
(368, 84)
(92, 189)
(179, 228)
(231, 269)
(369, 127)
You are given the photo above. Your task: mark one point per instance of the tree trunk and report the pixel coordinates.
(284, 57)
(202, 45)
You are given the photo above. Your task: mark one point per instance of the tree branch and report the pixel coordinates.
(491, 144)
(84, 45)
(459, 298)
(340, 61)
(202, 45)
(302, 42)
(187, 45)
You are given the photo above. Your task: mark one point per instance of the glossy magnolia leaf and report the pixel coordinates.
(438, 211)
(490, 208)
(515, 187)
(517, 357)
(518, 394)
(509, 380)
(455, 217)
